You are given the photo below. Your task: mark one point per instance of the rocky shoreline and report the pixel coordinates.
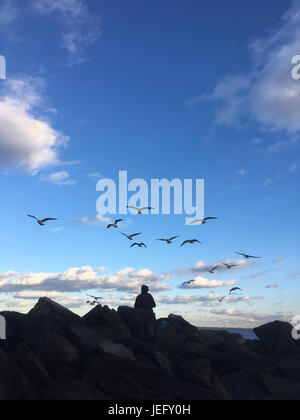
(53, 354)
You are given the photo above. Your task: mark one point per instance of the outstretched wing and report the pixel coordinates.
(146, 208)
(163, 240)
(144, 245)
(174, 237)
(135, 234)
(118, 221)
(48, 219)
(244, 255)
(196, 221)
(132, 207)
(29, 215)
(135, 244)
(124, 234)
(184, 243)
(211, 218)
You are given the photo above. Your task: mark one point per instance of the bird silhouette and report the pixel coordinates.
(140, 210)
(234, 290)
(168, 241)
(212, 271)
(203, 221)
(190, 241)
(130, 237)
(43, 221)
(247, 256)
(115, 224)
(229, 266)
(186, 283)
(140, 245)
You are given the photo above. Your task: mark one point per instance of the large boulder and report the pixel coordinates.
(14, 385)
(275, 333)
(199, 372)
(54, 351)
(170, 341)
(117, 349)
(181, 326)
(242, 386)
(107, 322)
(48, 317)
(86, 339)
(32, 367)
(282, 349)
(141, 324)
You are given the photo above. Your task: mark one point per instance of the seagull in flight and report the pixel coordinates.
(247, 256)
(203, 221)
(95, 297)
(191, 241)
(169, 241)
(212, 271)
(234, 290)
(140, 210)
(41, 222)
(115, 224)
(140, 245)
(229, 266)
(130, 237)
(187, 283)
(221, 300)
(93, 303)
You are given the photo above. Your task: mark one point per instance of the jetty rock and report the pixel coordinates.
(53, 354)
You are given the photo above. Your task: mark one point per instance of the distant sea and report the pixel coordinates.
(247, 334)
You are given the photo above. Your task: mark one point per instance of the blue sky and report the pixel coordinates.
(161, 90)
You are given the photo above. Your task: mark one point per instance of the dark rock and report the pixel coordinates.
(170, 341)
(141, 324)
(241, 386)
(194, 350)
(183, 327)
(32, 366)
(85, 339)
(199, 372)
(72, 390)
(54, 351)
(48, 317)
(275, 333)
(107, 322)
(117, 349)
(14, 385)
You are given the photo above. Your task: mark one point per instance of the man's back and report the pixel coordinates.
(145, 302)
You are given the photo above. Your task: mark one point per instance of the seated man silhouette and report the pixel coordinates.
(145, 301)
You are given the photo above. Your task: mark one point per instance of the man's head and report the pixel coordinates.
(145, 289)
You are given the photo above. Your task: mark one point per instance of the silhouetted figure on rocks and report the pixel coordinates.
(145, 301)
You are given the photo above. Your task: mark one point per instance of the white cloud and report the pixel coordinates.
(202, 283)
(268, 93)
(59, 178)
(79, 26)
(96, 221)
(27, 141)
(82, 279)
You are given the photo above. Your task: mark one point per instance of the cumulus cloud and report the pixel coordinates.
(201, 267)
(82, 279)
(26, 140)
(268, 92)
(80, 28)
(202, 283)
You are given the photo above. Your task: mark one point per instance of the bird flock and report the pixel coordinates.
(96, 300)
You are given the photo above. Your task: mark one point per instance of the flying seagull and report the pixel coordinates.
(188, 282)
(212, 271)
(95, 297)
(169, 241)
(41, 222)
(140, 210)
(247, 256)
(229, 266)
(130, 237)
(93, 303)
(221, 300)
(190, 241)
(203, 221)
(115, 224)
(234, 290)
(140, 245)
